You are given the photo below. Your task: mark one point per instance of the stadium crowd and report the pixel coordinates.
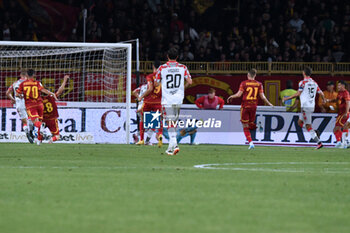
(270, 30)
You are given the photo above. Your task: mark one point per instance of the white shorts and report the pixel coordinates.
(306, 116)
(21, 110)
(171, 112)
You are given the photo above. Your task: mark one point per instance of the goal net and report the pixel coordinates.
(100, 79)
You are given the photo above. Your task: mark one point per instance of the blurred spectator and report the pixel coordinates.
(329, 94)
(294, 30)
(210, 101)
(292, 104)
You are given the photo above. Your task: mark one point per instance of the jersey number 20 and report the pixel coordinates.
(173, 81)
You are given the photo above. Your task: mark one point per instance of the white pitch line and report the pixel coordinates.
(296, 170)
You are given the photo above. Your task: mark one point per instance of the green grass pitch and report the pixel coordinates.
(139, 189)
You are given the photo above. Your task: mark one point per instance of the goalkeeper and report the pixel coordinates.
(182, 133)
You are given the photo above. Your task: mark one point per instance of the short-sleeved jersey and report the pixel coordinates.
(343, 97)
(308, 88)
(141, 89)
(155, 97)
(14, 87)
(31, 90)
(250, 89)
(172, 77)
(50, 108)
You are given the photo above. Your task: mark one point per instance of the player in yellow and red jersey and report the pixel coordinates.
(250, 89)
(31, 90)
(343, 99)
(51, 113)
(152, 98)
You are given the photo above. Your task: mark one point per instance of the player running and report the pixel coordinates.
(152, 99)
(249, 89)
(343, 99)
(20, 105)
(172, 76)
(30, 90)
(51, 113)
(307, 93)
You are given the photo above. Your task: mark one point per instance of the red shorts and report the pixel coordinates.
(248, 115)
(340, 120)
(52, 124)
(152, 107)
(35, 112)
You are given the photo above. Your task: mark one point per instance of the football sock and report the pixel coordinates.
(193, 136)
(172, 137)
(150, 133)
(344, 135)
(38, 125)
(141, 130)
(313, 135)
(338, 135)
(54, 138)
(247, 134)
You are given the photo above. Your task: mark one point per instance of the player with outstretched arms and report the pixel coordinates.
(51, 113)
(172, 77)
(20, 105)
(341, 127)
(307, 93)
(30, 90)
(152, 98)
(249, 89)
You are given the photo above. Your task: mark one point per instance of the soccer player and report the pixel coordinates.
(172, 77)
(307, 93)
(182, 133)
(20, 105)
(51, 113)
(137, 92)
(343, 99)
(152, 99)
(249, 89)
(30, 90)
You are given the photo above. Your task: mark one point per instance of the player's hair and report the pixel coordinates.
(173, 53)
(252, 72)
(23, 72)
(211, 90)
(30, 72)
(343, 83)
(156, 64)
(308, 71)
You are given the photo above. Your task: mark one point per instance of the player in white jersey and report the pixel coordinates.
(137, 93)
(20, 104)
(172, 76)
(307, 93)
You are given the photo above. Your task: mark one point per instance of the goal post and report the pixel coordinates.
(101, 72)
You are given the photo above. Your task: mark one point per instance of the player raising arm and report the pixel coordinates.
(307, 93)
(250, 90)
(20, 104)
(51, 113)
(152, 100)
(31, 91)
(137, 92)
(173, 77)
